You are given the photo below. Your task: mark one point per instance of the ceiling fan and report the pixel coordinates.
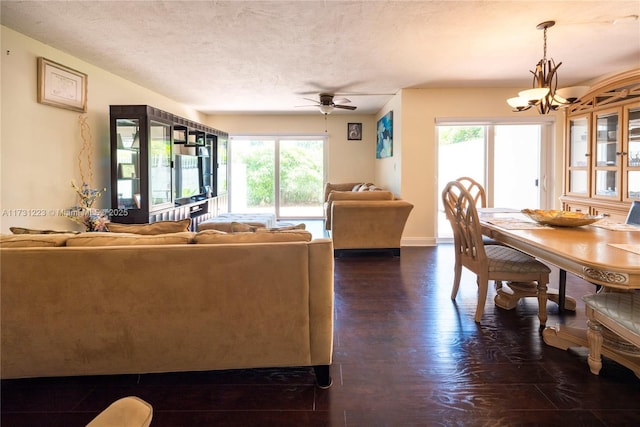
(326, 103)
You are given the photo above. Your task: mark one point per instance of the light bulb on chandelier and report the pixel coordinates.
(545, 95)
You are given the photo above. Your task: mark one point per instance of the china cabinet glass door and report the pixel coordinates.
(221, 166)
(206, 156)
(128, 163)
(632, 150)
(578, 170)
(159, 165)
(607, 155)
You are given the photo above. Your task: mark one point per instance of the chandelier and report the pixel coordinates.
(545, 95)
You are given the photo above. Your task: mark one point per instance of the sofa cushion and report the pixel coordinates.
(34, 240)
(300, 226)
(241, 227)
(129, 239)
(345, 186)
(216, 237)
(22, 230)
(160, 227)
(224, 227)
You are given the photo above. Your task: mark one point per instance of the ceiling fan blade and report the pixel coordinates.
(312, 100)
(345, 107)
(341, 100)
(362, 94)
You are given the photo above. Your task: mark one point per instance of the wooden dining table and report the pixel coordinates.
(603, 253)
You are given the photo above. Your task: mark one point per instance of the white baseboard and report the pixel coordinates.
(418, 241)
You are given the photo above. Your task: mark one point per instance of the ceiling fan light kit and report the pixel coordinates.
(326, 104)
(545, 95)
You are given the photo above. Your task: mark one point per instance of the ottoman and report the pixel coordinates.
(223, 222)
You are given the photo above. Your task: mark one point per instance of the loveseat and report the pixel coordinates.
(119, 303)
(364, 217)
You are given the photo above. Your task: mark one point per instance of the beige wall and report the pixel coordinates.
(39, 143)
(420, 109)
(349, 161)
(412, 171)
(388, 170)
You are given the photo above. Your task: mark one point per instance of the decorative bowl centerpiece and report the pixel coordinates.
(561, 218)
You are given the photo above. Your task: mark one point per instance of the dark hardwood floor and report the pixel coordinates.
(404, 355)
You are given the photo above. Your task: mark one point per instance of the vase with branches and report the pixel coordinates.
(84, 212)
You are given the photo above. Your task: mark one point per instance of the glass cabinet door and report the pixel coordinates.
(128, 163)
(607, 154)
(221, 158)
(206, 156)
(159, 165)
(633, 154)
(578, 168)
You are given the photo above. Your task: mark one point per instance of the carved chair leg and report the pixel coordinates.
(483, 290)
(457, 274)
(594, 337)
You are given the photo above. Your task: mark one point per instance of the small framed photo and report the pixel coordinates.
(61, 86)
(126, 171)
(354, 131)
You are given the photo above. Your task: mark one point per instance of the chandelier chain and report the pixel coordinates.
(544, 56)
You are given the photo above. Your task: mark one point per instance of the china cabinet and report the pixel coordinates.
(602, 149)
(165, 167)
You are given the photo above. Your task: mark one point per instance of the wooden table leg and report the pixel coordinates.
(562, 290)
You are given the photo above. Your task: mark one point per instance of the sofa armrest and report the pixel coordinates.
(321, 300)
(375, 224)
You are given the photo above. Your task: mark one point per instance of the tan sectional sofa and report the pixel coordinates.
(364, 219)
(118, 303)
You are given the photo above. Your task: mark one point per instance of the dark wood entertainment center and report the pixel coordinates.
(165, 167)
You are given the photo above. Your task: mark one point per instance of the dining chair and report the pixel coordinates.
(511, 292)
(475, 189)
(613, 317)
(480, 199)
(479, 196)
(490, 262)
(634, 213)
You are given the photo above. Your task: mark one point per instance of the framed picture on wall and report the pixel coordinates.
(354, 131)
(384, 132)
(61, 86)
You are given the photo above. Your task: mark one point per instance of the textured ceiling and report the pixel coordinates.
(266, 56)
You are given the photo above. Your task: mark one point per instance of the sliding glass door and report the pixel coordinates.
(507, 159)
(516, 166)
(300, 178)
(280, 175)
